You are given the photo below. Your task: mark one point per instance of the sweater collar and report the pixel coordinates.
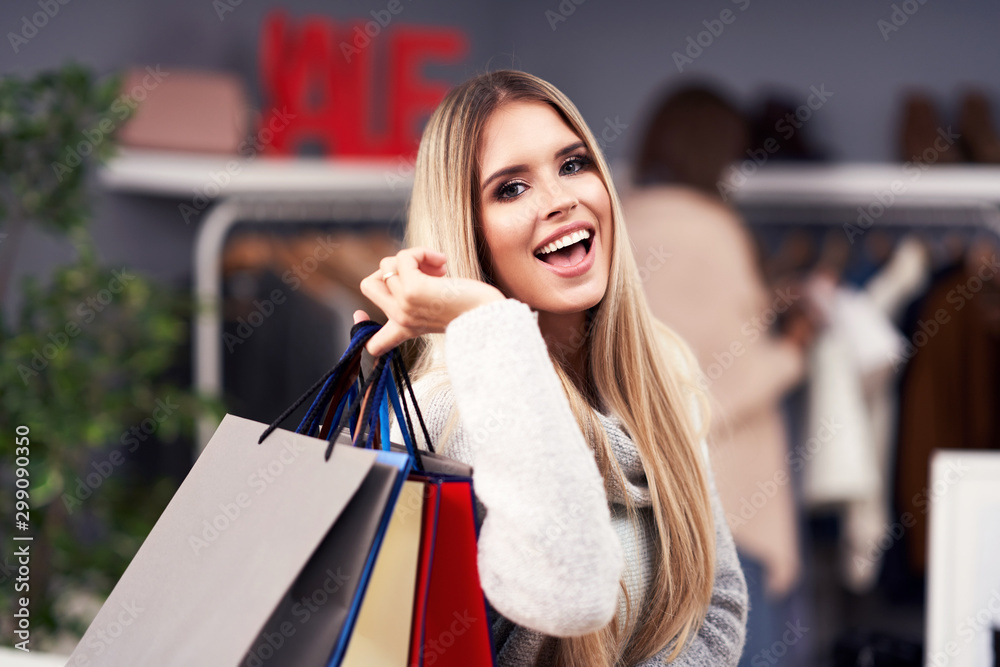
(623, 448)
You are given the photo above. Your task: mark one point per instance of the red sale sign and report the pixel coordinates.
(325, 76)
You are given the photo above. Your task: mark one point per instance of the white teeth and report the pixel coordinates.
(569, 239)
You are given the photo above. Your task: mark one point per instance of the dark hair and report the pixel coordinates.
(692, 136)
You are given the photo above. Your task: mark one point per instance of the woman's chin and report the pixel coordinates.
(580, 301)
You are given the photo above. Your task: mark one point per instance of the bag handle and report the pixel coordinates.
(371, 411)
(401, 373)
(341, 378)
(345, 391)
(374, 413)
(348, 395)
(360, 334)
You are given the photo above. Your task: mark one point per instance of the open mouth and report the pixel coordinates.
(568, 250)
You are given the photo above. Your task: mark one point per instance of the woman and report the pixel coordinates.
(603, 541)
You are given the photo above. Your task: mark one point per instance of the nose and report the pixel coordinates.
(560, 200)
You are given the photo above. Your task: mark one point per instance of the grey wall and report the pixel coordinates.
(609, 57)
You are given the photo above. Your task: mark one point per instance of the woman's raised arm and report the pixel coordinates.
(549, 559)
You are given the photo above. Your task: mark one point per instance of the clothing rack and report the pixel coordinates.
(893, 196)
(332, 208)
(971, 219)
(944, 203)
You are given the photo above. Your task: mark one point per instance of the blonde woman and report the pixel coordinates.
(603, 541)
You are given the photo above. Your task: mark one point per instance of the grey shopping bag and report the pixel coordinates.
(235, 537)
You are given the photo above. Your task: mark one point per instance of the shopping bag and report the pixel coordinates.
(382, 632)
(365, 625)
(450, 620)
(241, 527)
(247, 522)
(321, 619)
(273, 554)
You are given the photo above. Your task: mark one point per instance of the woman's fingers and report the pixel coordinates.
(391, 334)
(400, 287)
(424, 255)
(375, 289)
(430, 261)
(387, 264)
(388, 337)
(412, 290)
(426, 261)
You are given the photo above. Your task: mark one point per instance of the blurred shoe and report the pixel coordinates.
(921, 129)
(976, 127)
(795, 141)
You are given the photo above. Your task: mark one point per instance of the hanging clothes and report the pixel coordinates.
(867, 519)
(846, 366)
(852, 383)
(950, 394)
(841, 466)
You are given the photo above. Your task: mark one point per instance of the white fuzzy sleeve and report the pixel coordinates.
(549, 559)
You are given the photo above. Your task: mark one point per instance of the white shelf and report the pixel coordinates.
(861, 183)
(185, 175)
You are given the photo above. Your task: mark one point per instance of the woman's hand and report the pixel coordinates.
(800, 328)
(808, 317)
(413, 290)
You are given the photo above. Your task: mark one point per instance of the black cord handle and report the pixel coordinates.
(390, 362)
(360, 334)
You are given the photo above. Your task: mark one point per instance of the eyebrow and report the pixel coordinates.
(514, 169)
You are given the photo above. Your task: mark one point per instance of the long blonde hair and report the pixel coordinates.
(632, 362)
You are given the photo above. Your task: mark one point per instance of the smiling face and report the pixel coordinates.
(544, 209)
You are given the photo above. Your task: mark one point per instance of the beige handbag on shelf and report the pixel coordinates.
(183, 110)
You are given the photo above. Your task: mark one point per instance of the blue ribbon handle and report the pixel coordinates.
(400, 416)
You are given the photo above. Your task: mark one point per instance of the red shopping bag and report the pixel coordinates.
(450, 621)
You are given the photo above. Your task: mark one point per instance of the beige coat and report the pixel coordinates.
(701, 278)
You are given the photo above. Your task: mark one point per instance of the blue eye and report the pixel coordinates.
(510, 190)
(574, 164)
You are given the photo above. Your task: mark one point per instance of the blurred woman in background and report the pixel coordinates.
(702, 278)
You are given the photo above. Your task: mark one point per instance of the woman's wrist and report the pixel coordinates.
(494, 314)
(479, 294)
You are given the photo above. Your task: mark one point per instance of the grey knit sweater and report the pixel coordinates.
(555, 540)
